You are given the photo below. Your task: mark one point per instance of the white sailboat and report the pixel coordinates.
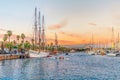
(91, 52)
(113, 52)
(36, 54)
(40, 53)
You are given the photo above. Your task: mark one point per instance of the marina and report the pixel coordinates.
(59, 40)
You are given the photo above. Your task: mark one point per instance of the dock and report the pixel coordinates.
(13, 56)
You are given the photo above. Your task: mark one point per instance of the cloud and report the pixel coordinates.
(92, 24)
(62, 24)
(69, 34)
(1, 29)
(49, 40)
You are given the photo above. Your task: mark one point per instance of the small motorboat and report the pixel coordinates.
(113, 54)
(91, 53)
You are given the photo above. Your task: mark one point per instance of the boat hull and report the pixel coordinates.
(112, 54)
(34, 54)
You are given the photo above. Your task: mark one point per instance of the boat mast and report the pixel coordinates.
(56, 41)
(92, 41)
(118, 37)
(33, 35)
(118, 41)
(43, 33)
(35, 24)
(39, 32)
(113, 42)
(98, 44)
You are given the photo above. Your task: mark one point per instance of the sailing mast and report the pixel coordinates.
(39, 32)
(92, 41)
(43, 33)
(113, 42)
(35, 24)
(118, 37)
(118, 41)
(56, 41)
(56, 45)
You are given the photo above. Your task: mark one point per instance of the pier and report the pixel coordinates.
(13, 56)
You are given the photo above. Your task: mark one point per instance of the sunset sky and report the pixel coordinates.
(74, 21)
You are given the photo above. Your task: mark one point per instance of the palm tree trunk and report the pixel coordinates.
(23, 43)
(9, 39)
(17, 46)
(9, 45)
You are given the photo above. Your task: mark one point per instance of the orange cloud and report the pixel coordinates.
(60, 42)
(58, 26)
(69, 34)
(92, 24)
(55, 26)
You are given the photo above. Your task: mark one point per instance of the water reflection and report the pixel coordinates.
(78, 66)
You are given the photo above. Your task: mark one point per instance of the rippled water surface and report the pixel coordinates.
(77, 66)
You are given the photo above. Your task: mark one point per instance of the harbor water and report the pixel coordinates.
(75, 66)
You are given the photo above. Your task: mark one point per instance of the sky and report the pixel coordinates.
(74, 21)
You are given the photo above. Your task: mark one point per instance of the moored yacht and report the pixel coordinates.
(36, 54)
(91, 52)
(39, 38)
(113, 53)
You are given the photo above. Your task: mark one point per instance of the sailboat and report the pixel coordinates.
(36, 54)
(41, 35)
(113, 52)
(91, 52)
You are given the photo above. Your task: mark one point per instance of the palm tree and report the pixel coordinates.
(9, 33)
(23, 37)
(14, 42)
(32, 40)
(18, 37)
(10, 46)
(5, 37)
(27, 45)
